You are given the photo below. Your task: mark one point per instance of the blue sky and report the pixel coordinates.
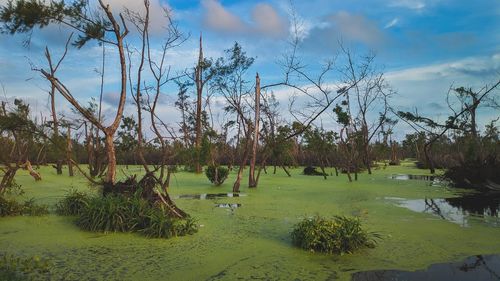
(423, 46)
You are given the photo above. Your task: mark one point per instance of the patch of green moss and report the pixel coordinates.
(252, 241)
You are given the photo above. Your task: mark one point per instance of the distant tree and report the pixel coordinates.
(22, 16)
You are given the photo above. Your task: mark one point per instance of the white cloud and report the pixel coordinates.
(265, 20)
(157, 16)
(218, 18)
(356, 27)
(477, 67)
(392, 23)
(417, 5)
(268, 21)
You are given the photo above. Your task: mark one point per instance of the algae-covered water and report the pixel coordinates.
(248, 237)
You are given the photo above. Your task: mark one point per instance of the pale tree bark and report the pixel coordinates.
(199, 91)
(251, 179)
(110, 130)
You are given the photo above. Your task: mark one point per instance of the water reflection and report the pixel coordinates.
(434, 180)
(208, 196)
(475, 268)
(228, 205)
(458, 210)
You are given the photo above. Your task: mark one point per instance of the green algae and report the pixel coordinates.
(252, 241)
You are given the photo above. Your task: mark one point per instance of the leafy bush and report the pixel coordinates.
(217, 175)
(15, 268)
(118, 213)
(158, 225)
(73, 203)
(338, 236)
(107, 214)
(10, 207)
(311, 171)
(32, 209)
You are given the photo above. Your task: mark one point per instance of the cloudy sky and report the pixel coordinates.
(423, 46)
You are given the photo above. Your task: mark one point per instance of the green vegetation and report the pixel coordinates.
(20, 269)
(73, 204)
(338, 236)
(216, 175)
(10, 207)
(256, 235)
(118, 213)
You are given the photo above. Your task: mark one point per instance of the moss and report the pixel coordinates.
(252, 241)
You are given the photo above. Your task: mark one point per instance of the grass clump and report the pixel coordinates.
(157, 225)
(118, 213)
(73, 203)
(10, 207)
(217, 175)
(340, 235)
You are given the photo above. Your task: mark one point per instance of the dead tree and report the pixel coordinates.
(251, 178)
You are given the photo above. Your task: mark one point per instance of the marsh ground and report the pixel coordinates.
(252, 241)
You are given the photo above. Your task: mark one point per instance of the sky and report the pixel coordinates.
(422, 46)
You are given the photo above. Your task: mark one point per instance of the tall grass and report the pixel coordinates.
(73, 203)
(118, 213)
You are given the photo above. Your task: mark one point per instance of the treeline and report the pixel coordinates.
(253, 131)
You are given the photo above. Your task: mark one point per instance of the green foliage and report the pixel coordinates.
(10, 207)
(109, 214)
(14, 268)
(338, 236)
(311, 171)
(32, 209)
(157, 225)
(73, 203)
(118, 213)
(23, 16)
(217, 175)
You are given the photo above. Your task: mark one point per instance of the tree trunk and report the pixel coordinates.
(7, 178)
(428, 158)
(237, 183)
(322, 166)
(53, 110)
(367, 158)
(251, 176)
(286, 171)
(110, 151)
(69, 149)
(58, 166)
(199, 92)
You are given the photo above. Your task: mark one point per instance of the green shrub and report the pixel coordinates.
(338, 236)
(311, 171)
(10, 207)
(118, 213)
(158, 225)
(32, 209)
(217, 175)
(106, 214)
(73, 203)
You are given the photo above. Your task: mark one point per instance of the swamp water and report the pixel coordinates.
(475, 268)
(461, 209)
(253, 242)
